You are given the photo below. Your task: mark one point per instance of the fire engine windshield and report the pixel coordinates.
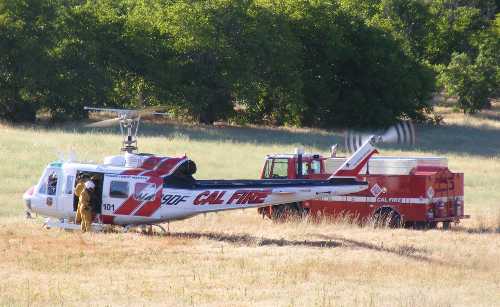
(280, 168)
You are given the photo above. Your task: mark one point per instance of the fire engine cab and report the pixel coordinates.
(411, 191)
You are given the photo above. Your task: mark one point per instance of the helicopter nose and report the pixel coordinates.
(27, 200)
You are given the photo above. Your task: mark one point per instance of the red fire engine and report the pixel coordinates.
(409, 191)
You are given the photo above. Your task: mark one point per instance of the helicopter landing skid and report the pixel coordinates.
(145, 229)
(67, 225)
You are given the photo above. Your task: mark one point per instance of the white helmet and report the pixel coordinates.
(89, 185)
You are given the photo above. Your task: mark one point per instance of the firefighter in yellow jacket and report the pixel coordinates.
(85, 205)
(80, 186)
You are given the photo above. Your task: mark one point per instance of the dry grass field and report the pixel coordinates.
(237, 258)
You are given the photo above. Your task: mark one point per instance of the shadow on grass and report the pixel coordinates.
(405, 251)
(491, 115)
(453, 138)
(476, 230)
(234, 134)
(479, 141)
(251, 240)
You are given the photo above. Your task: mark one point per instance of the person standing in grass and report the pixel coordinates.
(85, 205)
(80, 186)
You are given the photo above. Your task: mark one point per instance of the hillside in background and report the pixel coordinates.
(326, 63)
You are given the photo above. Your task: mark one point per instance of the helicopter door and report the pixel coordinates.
(67, 194)
(131, 195)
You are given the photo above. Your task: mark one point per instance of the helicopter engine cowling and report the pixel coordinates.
(137, 160)
(114, 160)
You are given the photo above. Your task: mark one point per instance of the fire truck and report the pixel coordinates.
(415, 192)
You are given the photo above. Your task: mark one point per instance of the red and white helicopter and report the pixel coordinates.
(137, 189)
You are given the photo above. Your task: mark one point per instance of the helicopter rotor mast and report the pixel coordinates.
(129, 125)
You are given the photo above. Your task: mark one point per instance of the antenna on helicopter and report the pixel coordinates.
(129, 124)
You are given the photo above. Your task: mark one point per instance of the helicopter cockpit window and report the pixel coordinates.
(52, 184)
(118, 189)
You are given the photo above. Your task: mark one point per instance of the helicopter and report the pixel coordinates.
(138, 189)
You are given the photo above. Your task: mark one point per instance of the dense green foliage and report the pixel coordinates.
(316, 63)
(459, 39)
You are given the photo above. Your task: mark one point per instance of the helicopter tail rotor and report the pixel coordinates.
(400, 133)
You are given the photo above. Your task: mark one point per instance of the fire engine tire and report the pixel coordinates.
(446, 225)
(387, 217)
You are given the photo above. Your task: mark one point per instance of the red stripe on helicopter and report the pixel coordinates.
(132, 172)
(107, 219)
(128, 206)
(153, 162)
(149, 162)
(157, 167)
(151, 167)
(150, 207)
(132, 204)
(165, 167)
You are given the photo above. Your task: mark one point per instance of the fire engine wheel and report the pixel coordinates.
(446, 225)
(387, 217)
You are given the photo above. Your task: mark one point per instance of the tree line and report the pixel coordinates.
(345, 63)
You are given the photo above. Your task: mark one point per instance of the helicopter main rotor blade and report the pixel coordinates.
(128, 113)
(154, 110)
(104, 123)
(109, 110)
